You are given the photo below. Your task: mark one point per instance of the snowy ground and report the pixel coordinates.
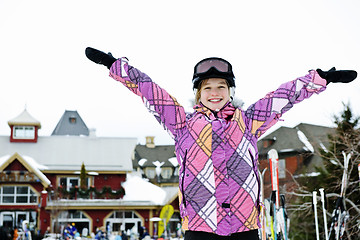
(111, 238)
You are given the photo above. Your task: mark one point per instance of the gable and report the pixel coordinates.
(15, 166)
(31, 172)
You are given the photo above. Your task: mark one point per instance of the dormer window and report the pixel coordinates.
(72, 120)
(24, 128)
(24, 132)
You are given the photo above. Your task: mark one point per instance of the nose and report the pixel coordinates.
(214, 92)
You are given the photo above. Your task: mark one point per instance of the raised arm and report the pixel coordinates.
(162, 105)
(267, 111)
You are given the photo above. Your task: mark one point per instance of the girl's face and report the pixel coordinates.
(214, 93)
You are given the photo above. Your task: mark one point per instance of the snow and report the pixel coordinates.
(305, 141)
(34, 164)
(3, 159)
(36, 167)
(286, 150)
(323, 147)
(142, 161)
(313, 174)
(333, 162)
(158, 167)
(173, 161)
(139, 189)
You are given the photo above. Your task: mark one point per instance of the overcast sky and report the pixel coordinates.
(43, 66)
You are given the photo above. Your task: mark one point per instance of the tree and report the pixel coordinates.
(83, 184)
(345, 139)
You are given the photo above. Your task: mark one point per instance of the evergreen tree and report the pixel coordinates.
(346, 138)
(83, 184)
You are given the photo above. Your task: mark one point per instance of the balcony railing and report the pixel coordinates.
(88, 193)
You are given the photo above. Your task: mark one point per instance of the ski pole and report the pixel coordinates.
(274, 227)
(282, 198)
(324, 212)
(342, 212)
(315, 212)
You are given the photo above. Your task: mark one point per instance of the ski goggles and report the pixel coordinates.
(205, 65)
(213, 67)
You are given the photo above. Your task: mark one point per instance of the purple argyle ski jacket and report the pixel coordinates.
(217, 152)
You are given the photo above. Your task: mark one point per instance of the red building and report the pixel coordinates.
(41, 179)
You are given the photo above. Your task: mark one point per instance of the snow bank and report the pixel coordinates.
(139, 189)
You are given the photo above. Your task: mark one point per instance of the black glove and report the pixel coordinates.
(100, 57)
(333, 75)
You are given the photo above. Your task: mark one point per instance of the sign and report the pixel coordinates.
(166, 212)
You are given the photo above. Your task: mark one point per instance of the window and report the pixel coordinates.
(72, 120)
(70, 182)
(282, 167)
(17, 195)
(150, 172)
(24, 132)
(166, 172)
(79, 218)
(123, 220)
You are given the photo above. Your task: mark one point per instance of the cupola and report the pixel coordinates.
(24, 128)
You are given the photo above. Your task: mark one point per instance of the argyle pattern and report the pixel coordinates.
(217, 152)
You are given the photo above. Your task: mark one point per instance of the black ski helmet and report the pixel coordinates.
(213, 67)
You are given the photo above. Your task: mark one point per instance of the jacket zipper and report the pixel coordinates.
(182, 180)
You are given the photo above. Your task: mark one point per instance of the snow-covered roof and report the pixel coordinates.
(139, 189)
(24, 119)
(66, 153)
(29, 163)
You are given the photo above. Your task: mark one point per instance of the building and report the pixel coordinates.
(298, 150)
(159, 165)
(41, 179)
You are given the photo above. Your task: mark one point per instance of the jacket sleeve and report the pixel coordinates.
(264, 113)
(162, 105)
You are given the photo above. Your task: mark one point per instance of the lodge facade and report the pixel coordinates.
(41, 180)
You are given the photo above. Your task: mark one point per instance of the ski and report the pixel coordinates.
(315, 213)
(279, 225)
(340, 215)
(323, 202)
(274, 199)
(268, 219)
(262, 206)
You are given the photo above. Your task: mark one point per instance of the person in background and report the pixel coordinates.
(15, 234)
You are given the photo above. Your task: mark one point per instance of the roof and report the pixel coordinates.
(24, 119)
(28, 163)
(287, 139)
(66, 153)
(71, 124)
(159, 153)
(303, 138)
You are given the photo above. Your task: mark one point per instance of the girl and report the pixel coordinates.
(216, 144)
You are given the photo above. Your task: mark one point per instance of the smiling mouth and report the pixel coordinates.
(215, 100)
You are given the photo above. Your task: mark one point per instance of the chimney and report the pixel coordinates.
(92, 132)
(150, 142)
(268, 142)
